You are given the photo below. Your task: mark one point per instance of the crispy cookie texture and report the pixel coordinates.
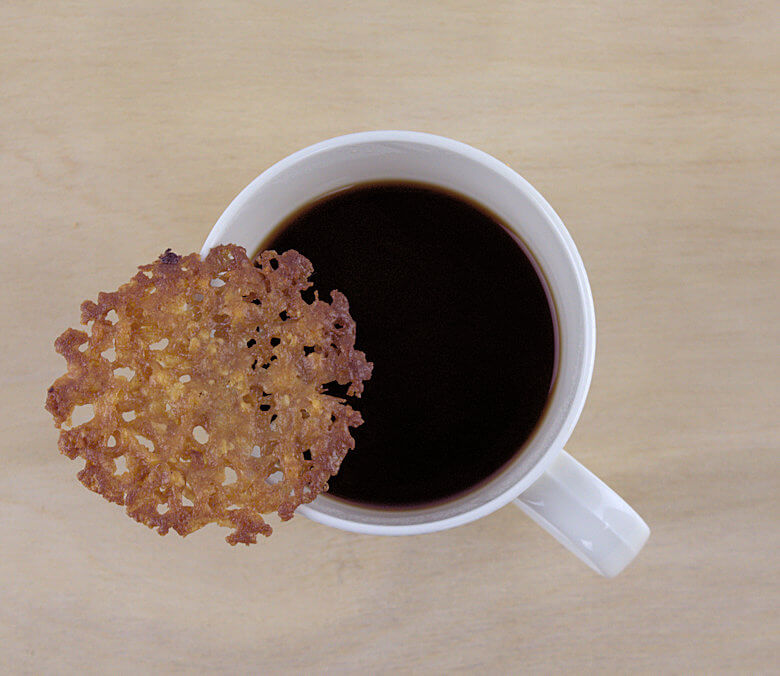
(208, 382)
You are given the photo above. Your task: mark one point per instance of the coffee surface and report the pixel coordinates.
(457, 322)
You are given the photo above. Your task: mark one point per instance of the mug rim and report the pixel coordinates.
(587, 354)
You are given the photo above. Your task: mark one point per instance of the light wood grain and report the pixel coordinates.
(651, 127)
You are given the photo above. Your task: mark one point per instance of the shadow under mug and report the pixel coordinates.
(550, 486)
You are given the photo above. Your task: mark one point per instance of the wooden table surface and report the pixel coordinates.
(126, 128)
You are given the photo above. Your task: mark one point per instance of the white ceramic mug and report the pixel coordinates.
(543, 480)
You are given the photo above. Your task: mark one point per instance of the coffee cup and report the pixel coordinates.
(543, 480)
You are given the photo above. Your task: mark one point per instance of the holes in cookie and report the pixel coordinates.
(111, 441)
(146, 443)
(120, 465)
(254, 364)
(265, 407)
(197, 297)
(83, 347)
(200, 434)
(337, 326)
(284, 316)
(82, 414)
(112, 317)
(162, 508)
(307, 350)
(275, 341)
(274, 478)
(124, 372)
(185, 378)
(186, 502)
(159, 345)
(307, 455)
(230, 476)
(109, 354)
(127, 416)
(251, 342)
(274, 264)
(256, 451)
(217, 282)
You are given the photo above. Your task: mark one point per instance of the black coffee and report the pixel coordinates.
(456, 320)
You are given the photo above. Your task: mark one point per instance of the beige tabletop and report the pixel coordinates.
(651, 128)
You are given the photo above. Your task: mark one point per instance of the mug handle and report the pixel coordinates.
(585, 515)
